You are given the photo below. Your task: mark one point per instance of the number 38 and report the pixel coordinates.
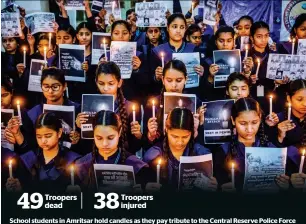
(112, 201)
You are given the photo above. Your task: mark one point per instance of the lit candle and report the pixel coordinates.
(134, 113)
(271, 99)
(258, 66)
(153, 108)
(50, 36)
(163, 59)
(11, 168)
(192, 10)
(18, 109)
(24, 56)
(233, 175)
(104, 44)
(180, 103)
(158, 171)
(302, 161)
(72, 175)
(45, 55)
(293, 43)
(289, 111)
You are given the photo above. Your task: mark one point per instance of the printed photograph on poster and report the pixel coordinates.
(301, 50)
(99, 40)
(190, 60)
(111, 6)
(91, 104)
(74, 5)
(195, 172)
(114, 178)
(174, 100)
(286, 65)
(40, 22)
(10, 25)
(245, 43)
(36, 68)
(229, 62)
(217, 122)
(122, 54)
(262, 166)
(6, 115)
(66, 114)
(209, 12)
(151, 14)
(71, 58)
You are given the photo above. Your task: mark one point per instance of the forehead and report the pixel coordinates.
(153, 28)
(238, 83)
(225, 35)
(102, 130)
(300, 93)
(303, 25)
(62, 33)
(248, 116)
(49, 80)
(174, 74)
(44, 130)
(197, 33)
(84, 30)
(120, 27)
(43, 42)
(179, 132)
(3, 90)
(178, 21)
(262, 31)
(244, 22)
(106, 77)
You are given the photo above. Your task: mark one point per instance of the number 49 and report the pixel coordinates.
(35, 198)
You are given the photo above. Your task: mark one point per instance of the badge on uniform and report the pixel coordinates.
(260, 91)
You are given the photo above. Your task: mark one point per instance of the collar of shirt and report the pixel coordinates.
(113, 159)
(173, 162)
(180, 49)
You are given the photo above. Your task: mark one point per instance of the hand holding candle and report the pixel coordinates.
(258, 66)
(271, 102)
(18, 109)
(163, 59)
(289, 111)
(233, 175)
(153, 108)
(134, 113)
(24, 56)
(50, 36)
(158, 171)
(302, 161)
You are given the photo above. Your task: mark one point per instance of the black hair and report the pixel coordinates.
(49, 120)
(85, 25)
(128, 12)
(112, 69)
(69, 29)
(236, 76)
(241, 105)
(224, 29)
(257, 25)
(121, 22)
(298, 22)
(55, 73)
(175, 16)
(245, 18)
(45, 36)
(192, 29)
(6, 83)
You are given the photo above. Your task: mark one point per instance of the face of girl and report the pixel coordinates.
(108, 84)
(6, 98)
(106, 139)
(52, 89)
(244, 27)
(238, 89)
(177, 29)
(42, 45)
(47, 138)
(178, 139)
(174, 81)
(84, 37)
(121, 33)
(261, 38)
(153, 33)
(298, 101)
(301, 31)
(9, 44)
(196, 38)
(247, 125)
(62, 37)
(225, 41)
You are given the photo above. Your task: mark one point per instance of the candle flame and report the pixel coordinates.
(303, 153)
(233, 165)
(134, 107)
(271, 96)
(153, 102)
(162, 54)
(18, 102)
(159, 161)
(24, 49)
(289, 104)
(258, 60)
(10, 162)
(104, 41)
(72, 168)
(246, 47)
(45, 48)
(50, 35)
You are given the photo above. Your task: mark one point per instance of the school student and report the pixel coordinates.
(244, 24)
(247, 119)
(194, 35)
(109, 149)
(108, 81)
(237, 86)
(65, 35)
(136, 34)
(179, 141)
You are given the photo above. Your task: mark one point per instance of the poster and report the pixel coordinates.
(98, 40)
(174, 100)
(281, 65)
(245, 43)
(195, 172)
(217, 122)
(151, 14)
(10, 25)
(66, 114)
(111, 7)
(91, 104)
(40, 22)
(229, 62)
(210, 10)
(74, 5)
(71, 58)
(262, 166)
(122, 54)
(301, 47)
(6, 115)
(114, 178)
(35, 75)
(190, 60)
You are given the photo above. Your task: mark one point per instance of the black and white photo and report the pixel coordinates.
(74, 5)
(228, 62)
(210, 10)
(98, 42)
(40, 22)
(122, 54)
(10, 25)
(217, 122)
(301, 50)
(245, 43)
(36, 69)
(151, 14)
(111, 6)
(71, 58)
(91, 104)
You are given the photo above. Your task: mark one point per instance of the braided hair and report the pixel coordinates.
(110, 68)
(241, 105)
(178, 118)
